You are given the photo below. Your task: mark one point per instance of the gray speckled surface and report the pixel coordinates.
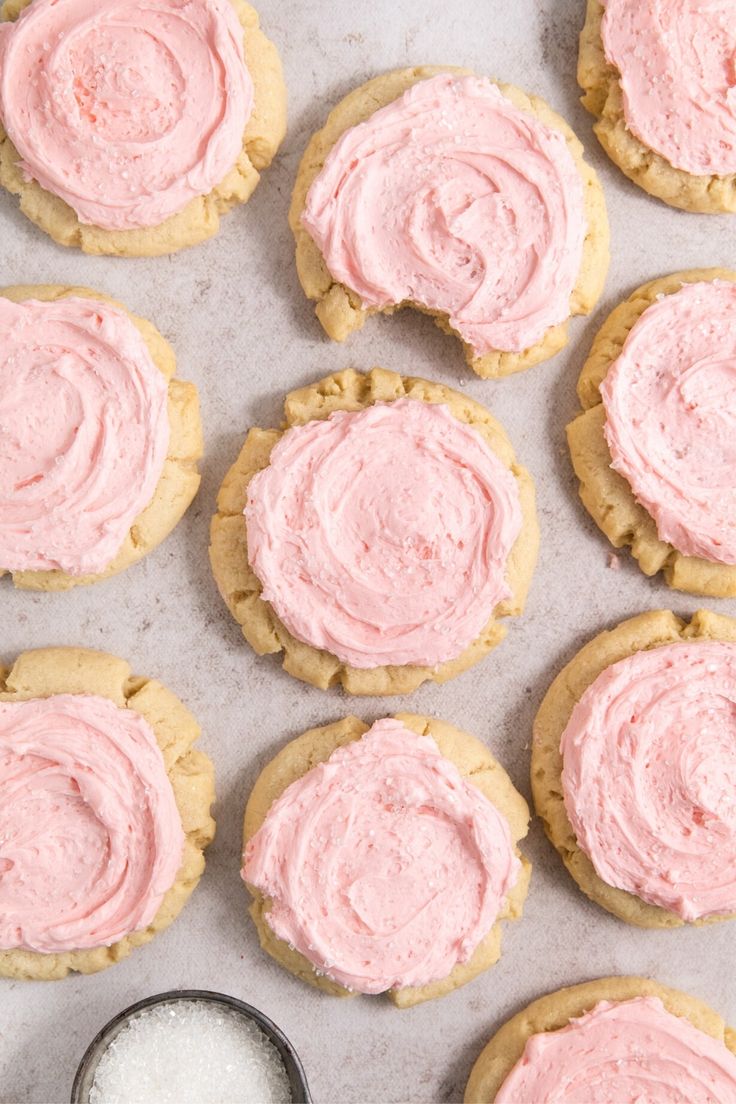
(244, 333)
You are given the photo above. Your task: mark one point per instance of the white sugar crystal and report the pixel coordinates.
(190, 1052)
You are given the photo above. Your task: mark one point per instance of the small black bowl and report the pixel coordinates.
(88, 1066)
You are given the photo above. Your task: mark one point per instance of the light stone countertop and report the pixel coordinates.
(245, 334)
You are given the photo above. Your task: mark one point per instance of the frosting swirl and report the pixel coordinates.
(670, 401)
(90, 835)
(384, 866)
(677, 65)
(84, 432)
(453, 198)
(649, 777)
(625, 1052)
(125, 109)
(382, 535)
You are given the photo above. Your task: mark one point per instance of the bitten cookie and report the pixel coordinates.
(101, 848)
(655, 446)
(384, 859)
(467, 199)
(377, 538)
(633, 768)
(103, 440)
(660, 80)
(635, 1038)
(128, 128)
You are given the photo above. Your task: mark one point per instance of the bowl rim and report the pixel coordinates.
(292, 1062)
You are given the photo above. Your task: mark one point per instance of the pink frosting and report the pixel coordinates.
(670, 401)
(677, 60)
(382, 536)
(455, 199)
(384, 866)
(125, 109)
(84, 432)
(649, 776)
(90, 835)
(627, 1052)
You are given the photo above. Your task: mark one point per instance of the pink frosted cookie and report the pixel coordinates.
(128, 127)
(375, 577)
(618, 1040)
(104, 811)
(99, 441)
(670, 418)
(659, 75)
(654, 449)
(92, 838)
(464, 198)
(384, 536)
(387, 866)
(634, 769)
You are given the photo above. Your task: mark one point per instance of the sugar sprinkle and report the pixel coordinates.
(190, 1052)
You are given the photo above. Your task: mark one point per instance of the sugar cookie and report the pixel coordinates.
(653, 448)
(424, 188)
(103, 439)
(385, 859)
(101, 848)
(634, 769)
(129, 128)
(659, 78)
(655, 1043)
(379, 537)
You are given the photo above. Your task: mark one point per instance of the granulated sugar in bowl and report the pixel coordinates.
(190, 1049)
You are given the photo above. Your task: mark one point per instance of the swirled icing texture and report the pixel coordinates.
(453, 198)
(623, 1052)
(649, 777)
(90, 835)
(125, 109)
(84, 432)
(382, 536)
(670, 401)
(384, 866)
(677, 65)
